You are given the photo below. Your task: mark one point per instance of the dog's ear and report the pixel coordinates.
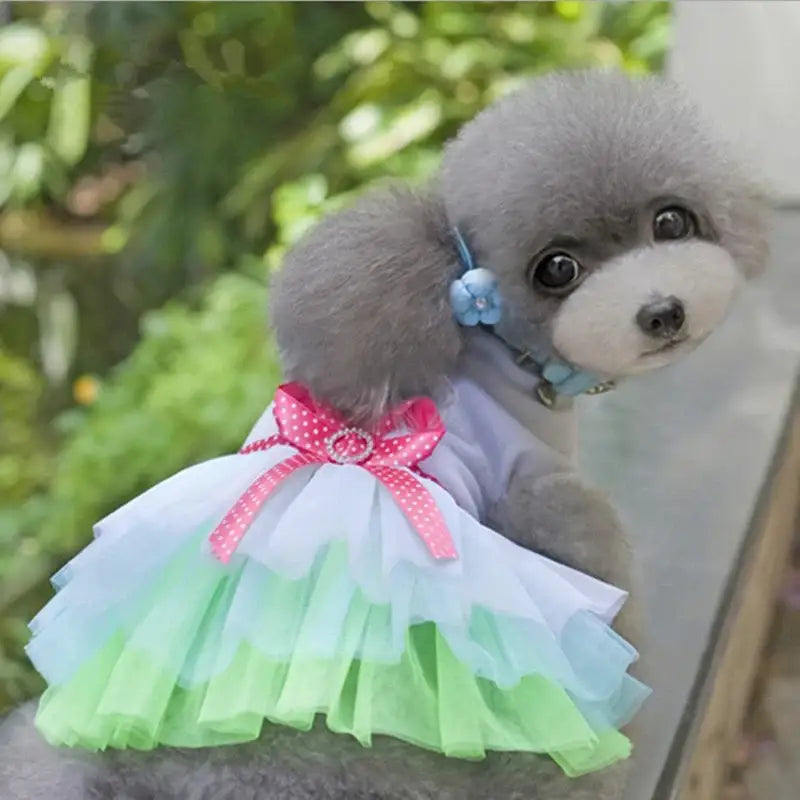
(360, 306)
(747, 227)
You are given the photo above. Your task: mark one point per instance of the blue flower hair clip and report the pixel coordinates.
(475, 296)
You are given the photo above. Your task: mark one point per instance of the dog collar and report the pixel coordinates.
(556, 376)
(476, 305)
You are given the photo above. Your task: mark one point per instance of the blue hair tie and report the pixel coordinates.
(475, 296)
(464, 254)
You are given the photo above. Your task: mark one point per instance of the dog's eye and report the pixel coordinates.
(673, 223)
(556, 271)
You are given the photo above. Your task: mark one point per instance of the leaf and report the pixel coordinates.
(569, 9)
(26, 174)
(58, 327)
(12, 85)
(197, 58)
(24, 45)
(68, 130)
(410, 124)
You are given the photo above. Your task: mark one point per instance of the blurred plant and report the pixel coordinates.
(25, 467)
(190, 391)
(163, 156)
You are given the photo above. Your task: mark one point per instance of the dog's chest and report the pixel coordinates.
(487, 363)
(495, 426)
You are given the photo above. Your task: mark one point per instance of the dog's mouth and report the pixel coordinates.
(667, 347)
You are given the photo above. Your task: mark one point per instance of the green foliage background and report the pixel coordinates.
(155, 161)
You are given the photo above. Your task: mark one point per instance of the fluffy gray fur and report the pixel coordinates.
(366, 289)
(283, 764)
(361, 314)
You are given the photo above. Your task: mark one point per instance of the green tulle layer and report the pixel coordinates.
(121, 698)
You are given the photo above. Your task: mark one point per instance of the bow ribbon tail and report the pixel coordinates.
(233, 526)
(419, 507)
(263, 444)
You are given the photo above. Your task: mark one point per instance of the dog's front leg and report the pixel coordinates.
(560, 517)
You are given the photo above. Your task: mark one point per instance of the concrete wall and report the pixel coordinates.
(741, 62)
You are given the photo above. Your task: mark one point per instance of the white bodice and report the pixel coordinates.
(494, 425)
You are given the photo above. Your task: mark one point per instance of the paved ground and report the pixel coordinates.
(768, 763)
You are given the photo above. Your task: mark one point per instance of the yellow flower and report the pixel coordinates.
(85, 390)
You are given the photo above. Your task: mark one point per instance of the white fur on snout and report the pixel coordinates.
(596, 328)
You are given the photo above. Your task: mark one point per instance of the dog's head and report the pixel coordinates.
(618, 230)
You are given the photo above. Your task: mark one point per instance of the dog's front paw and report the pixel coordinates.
(562, 518)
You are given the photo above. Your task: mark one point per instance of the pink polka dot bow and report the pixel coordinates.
(391, 451)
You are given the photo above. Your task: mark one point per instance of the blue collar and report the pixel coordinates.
(557, 376)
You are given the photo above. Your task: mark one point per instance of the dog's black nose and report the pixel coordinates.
(663, 318)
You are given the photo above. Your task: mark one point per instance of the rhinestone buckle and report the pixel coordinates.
(350, 458)
(546, 394)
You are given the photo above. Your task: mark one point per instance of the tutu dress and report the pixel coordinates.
(330, 570)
